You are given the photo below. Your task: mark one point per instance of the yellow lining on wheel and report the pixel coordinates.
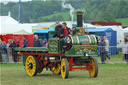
(92, 71)
(63, 68)
(56, 70)
(30, 66)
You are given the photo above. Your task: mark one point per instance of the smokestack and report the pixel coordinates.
(80, 19)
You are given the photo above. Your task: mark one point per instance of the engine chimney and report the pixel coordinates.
(80, 19)
(79, 28)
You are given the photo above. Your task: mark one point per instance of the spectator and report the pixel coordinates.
(106, 47)
(44, 43)
(102, 50)
(0, 51)
(13, 44)
(14, 54)
(36, 41)
(41, 42)
(125, 50)
(9, 49)
(4, 52)
(18, 44)
(25, 42)
(65, 28)
(9, 42)
(0, 42)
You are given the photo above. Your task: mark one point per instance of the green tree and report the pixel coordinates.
(105, 16)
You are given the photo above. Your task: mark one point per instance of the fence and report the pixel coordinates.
(116, 55)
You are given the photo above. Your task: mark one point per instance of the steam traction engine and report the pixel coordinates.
(73, 52)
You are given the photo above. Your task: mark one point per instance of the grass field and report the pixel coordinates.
(124, 21)
(109, 74)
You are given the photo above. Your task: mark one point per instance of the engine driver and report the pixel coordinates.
(66, 29)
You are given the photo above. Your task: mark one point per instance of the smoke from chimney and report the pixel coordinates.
(68, 6)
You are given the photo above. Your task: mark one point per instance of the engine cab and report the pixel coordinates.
(78, 44)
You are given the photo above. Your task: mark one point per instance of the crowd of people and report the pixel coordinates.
(104, 49)
(6, 49)
(40, 42)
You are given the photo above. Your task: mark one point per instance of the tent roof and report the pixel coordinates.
(13, 28)
(98, 29)
(22, 32)
(44, 30)
(7, 20)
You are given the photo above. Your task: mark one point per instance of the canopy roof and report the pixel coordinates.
(98, 29)
(44, 30)
(125, 30)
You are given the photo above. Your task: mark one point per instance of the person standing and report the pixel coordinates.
(25, 42)
(12, 44)
(102, 50)
(14, 54)
(106, 47)
(41, 42)
(4, 52)
(44, 43)
(18, 44)
(125, 50)
(36, 41)
(0, 51)
(9, 49)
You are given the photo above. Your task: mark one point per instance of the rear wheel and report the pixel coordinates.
(40, 66)
(31, 65)
(64, 68)
(94, 67)
(56, 69)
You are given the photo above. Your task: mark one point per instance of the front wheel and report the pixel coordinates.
(64, 68)
(94, 67)
(31, 65)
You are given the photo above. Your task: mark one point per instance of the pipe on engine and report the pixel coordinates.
(80, 19)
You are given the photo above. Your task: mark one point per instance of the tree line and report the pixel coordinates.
(51, 10)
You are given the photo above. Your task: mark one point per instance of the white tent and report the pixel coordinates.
(13, 28)
(22, 32)
(8, 25)
(7, 20)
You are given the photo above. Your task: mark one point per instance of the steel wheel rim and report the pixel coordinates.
(63, 68)
(30, 60)
(92, 71)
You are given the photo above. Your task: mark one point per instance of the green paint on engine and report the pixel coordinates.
(31, 49)
(83, 39)
(82, 50)
(53, 45)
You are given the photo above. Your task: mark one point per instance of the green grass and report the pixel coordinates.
(124, 21)
(109, 74)
(114, 59)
